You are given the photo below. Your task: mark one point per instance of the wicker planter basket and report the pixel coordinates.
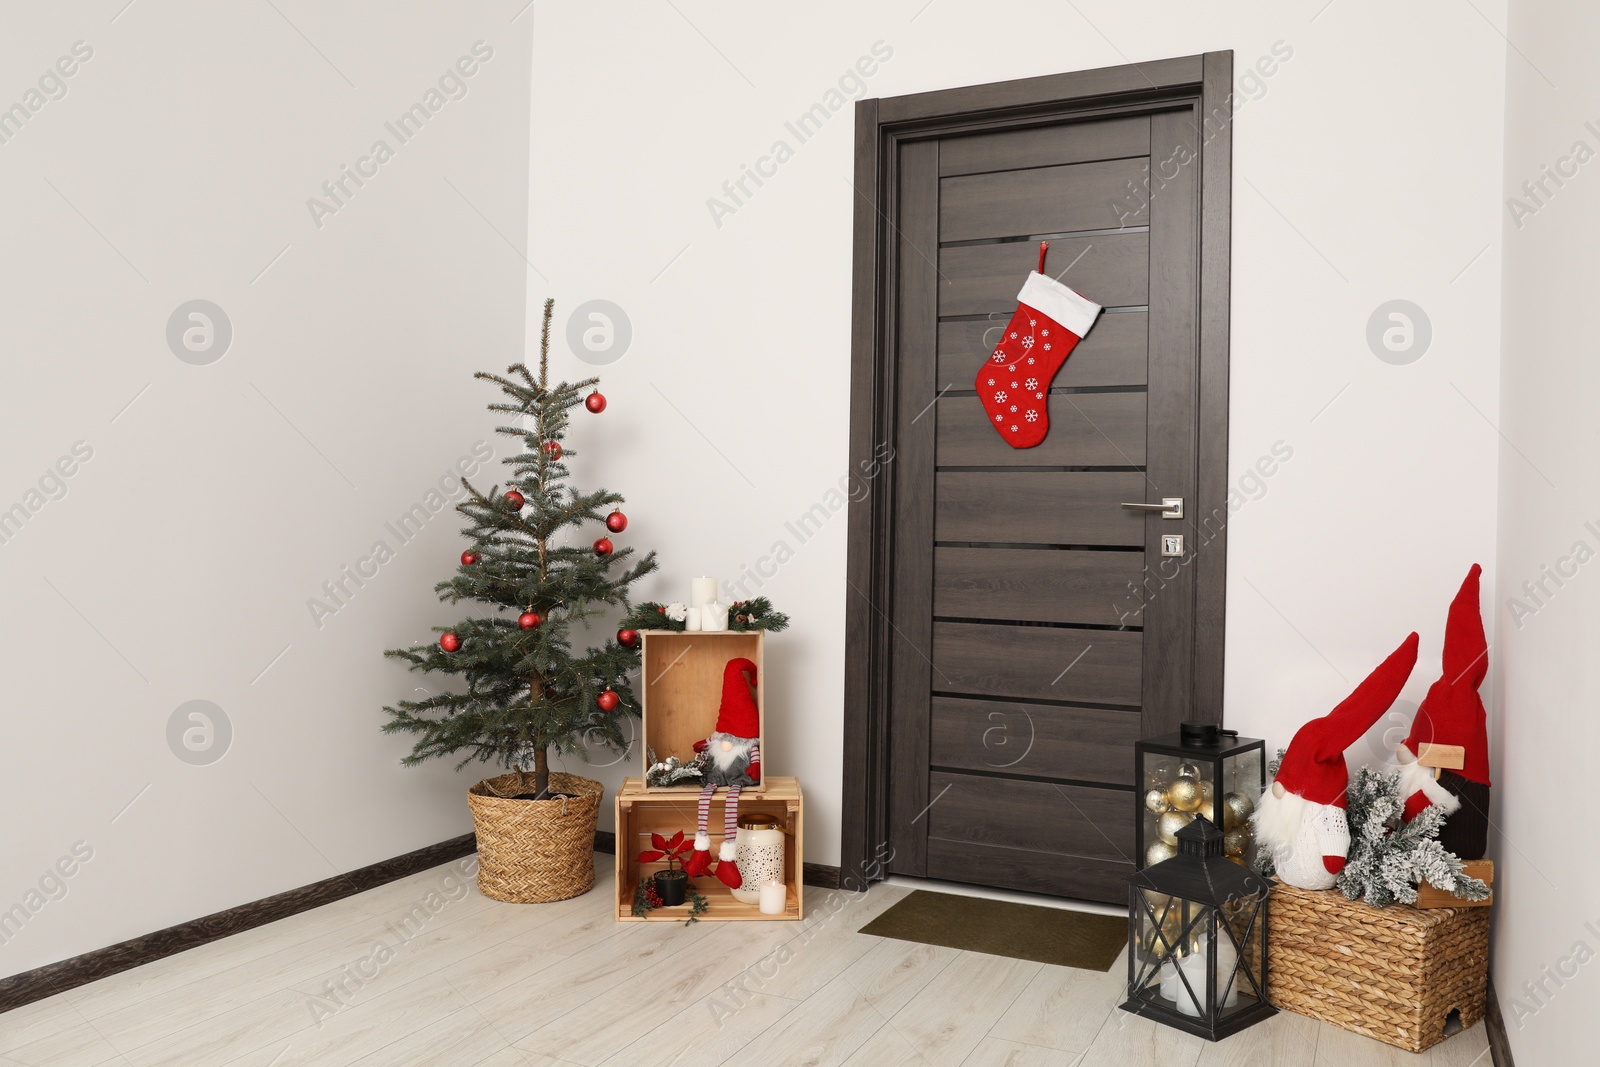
(1394, 974)
(532, 851)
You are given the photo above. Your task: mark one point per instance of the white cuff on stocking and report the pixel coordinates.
(1072, 310)
(726, 852)
(702, 842)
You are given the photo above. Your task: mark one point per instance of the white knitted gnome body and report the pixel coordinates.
(1303, 837)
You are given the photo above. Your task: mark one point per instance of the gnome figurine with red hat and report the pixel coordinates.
(730, 757)
(1301, 818)
(1445, 760)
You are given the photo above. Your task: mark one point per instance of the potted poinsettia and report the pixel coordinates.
(673, 883)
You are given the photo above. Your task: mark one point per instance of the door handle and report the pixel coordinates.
(1171, 507)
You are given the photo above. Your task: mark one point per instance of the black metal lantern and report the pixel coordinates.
(1202, 770)
(1197, 939)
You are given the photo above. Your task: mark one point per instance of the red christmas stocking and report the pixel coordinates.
(1014, 381)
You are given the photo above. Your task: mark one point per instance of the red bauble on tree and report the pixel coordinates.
(608, 700)
(449, 642)
(469, 557)
(595, 402)
(616, 522)
(628, 638)
(514, 500)
(603, 547)
(552, 449)
(529, 620)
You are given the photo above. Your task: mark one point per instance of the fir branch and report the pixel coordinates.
(1389, 858)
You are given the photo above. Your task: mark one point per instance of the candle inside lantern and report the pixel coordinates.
(1194, 969)
(774, 896)
(1171, 984)
(702, 591)
(713, 617)
(691, 618)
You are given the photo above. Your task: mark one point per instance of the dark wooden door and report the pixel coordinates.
(1038, 630)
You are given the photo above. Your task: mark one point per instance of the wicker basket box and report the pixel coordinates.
(1395, 974)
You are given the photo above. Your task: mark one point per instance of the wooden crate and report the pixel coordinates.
(681, 689)
(641, 812)
(1430, 897)
(1395, 974)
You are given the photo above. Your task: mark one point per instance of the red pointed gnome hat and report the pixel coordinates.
(738, 715)
(1452, 712)
(1314, 766)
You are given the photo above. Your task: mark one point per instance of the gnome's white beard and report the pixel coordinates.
(1298, 833)
(1415, 778)
(729, 766)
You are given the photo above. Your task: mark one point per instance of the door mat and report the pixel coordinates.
(1001, 928)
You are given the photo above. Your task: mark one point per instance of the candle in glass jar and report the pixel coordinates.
(773, 898)
(702, 591)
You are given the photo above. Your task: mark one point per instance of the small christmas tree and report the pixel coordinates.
(527, 692)
(1387, 858)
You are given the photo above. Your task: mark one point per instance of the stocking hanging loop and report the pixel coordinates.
(1044, 246)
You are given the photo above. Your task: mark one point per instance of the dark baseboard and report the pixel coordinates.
(1494, 1025)
(53, 978)
(820, 875)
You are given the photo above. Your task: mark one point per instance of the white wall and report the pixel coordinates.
(218, 498)
(1366, 169)
(1547, 929)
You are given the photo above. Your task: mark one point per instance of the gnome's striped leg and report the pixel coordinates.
(727, 869)
(699, 860)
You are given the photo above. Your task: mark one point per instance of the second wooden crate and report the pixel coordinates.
(681, 689)
(641, 813)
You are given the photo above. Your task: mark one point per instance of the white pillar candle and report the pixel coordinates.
(1171, 984)
(1194, 969)
(691, 619)
(702, 591)
(773, 898)
(713, 617)
(1227, 959)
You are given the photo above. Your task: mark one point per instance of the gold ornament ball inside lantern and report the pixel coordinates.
(1236, 811)
(1184, 793)
(1156, 801)
(1169, 825)
(1158, 852)
(1234, 842)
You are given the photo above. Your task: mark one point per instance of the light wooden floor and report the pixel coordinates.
(502, 985)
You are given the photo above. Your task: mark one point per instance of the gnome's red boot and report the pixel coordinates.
(699, 861)
(727, 869)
